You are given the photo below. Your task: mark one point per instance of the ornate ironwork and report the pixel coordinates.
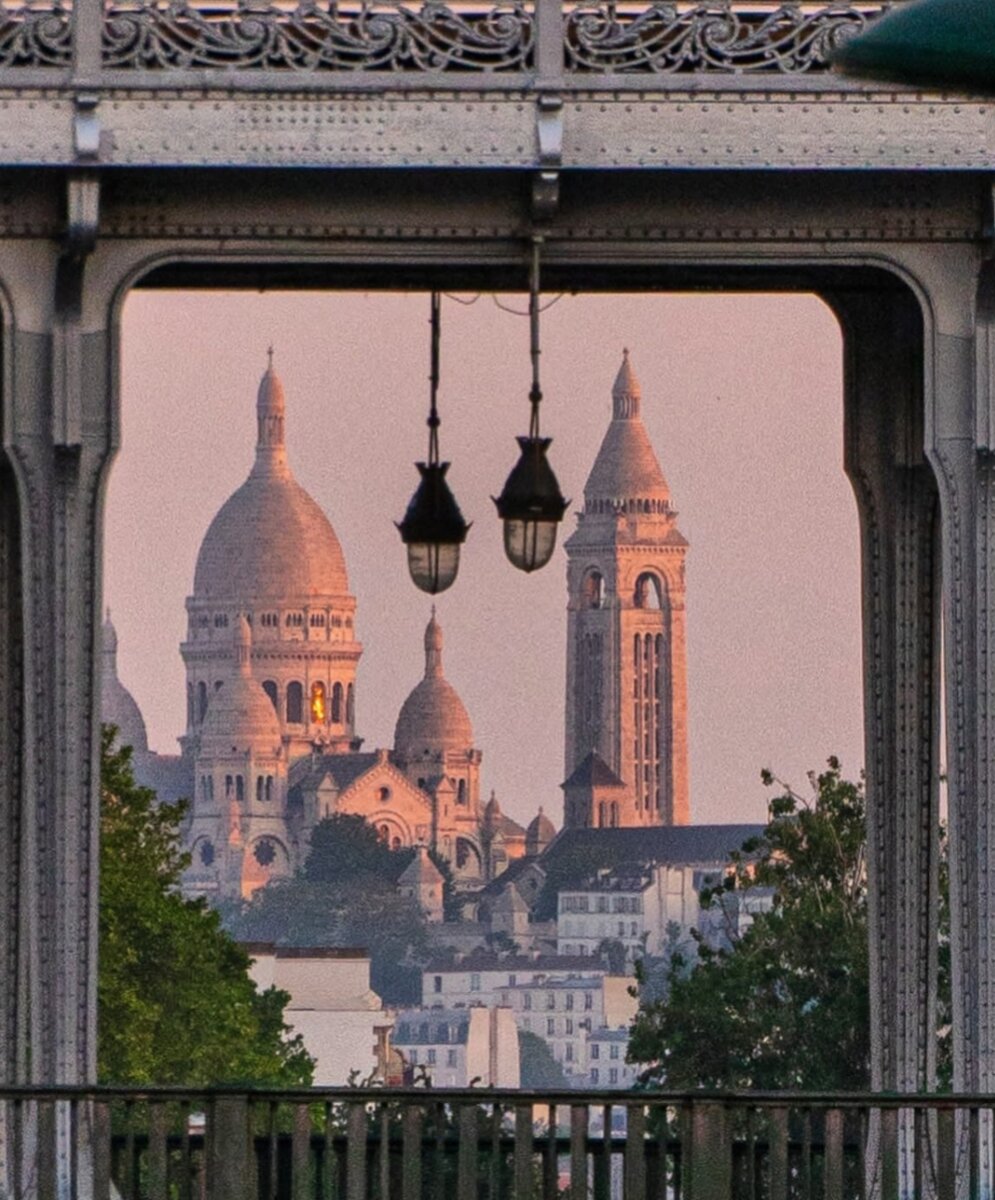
(670, 38)
(368, 35)
(35, 37)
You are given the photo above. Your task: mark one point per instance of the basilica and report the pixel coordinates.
(271, 651)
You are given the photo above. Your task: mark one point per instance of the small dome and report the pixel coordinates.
(539, 834)
(433, 717)
(240, 712)
(117, 705)
(270, 541)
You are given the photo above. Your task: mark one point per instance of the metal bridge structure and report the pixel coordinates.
(426, 144)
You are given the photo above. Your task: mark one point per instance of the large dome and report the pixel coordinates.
(433, 718)
(270, 541)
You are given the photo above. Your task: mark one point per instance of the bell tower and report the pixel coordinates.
(626, 643)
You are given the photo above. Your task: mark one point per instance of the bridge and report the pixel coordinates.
(644, 146)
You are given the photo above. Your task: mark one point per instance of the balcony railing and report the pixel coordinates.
(466, 43)
(422, 1144)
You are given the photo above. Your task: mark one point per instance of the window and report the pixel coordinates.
(551, 1000)
(269, 788)
(337, 704)
(589, 1001)
(595, 1050)
(633, 929)
(423, 1031)
(413, 1057)
(475, 983)
(239, 788)
(527, 1001)
(317, 620)
(450, 1058)
(295, 620)
(437, 984)
(295, 703)
(442, 1033)
(595, 1075)
(318, 710)
(269, 687)
(569, 1052)
(461, 792)
(260, 785)
(550, 1026)
(431, 1058)
(383, 794)
(613, 1052)
(201, 700)
(220, 621)
(265, 852)
(570, 1001)
(568, 1025)
(270, 620)
(350, 703)
(613, 1075)
(512, 980)
(206, 853)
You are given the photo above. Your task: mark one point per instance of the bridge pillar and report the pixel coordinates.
(962, 448)
(56, 443)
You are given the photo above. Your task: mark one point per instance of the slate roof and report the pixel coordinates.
(510, 874)
(661, 844)
(344, 769)
(593, 772)
(483, 959)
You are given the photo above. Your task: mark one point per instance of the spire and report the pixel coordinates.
(109, 642)
(626, 392)
(271, 451)
(243, 646)
(433, 648)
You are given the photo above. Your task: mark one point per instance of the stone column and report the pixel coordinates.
(897, 502)
(56, 445)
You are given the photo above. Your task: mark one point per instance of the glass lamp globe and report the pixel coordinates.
(433, 530)
(531, 507)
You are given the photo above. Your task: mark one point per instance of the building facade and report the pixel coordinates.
(626, 695)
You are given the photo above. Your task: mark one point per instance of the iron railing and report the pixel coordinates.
(467, 43)
(423, 1144)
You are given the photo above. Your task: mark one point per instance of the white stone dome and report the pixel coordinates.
(270, 541)
(433, 718)
(117, 705)
(239, 712)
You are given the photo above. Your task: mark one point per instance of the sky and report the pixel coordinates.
(742, 399)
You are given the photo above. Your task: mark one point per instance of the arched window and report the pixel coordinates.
(206, 853)
(593, 592)
(190, 706)
(218, 684)
(319, 711)
(269, 687)
(337, 704)
(395, 843)
(383, 795)
(602, 814)
(648, 593)
(295, 703)
(259, 788)
(461, 792)
(229, 785)
(201, 700)
(384, 834)
(614, 814)
(269, 788)
(350, 706)
(239, 788)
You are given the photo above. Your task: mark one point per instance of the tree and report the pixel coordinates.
(344, 847)
(538, 1067)
(175, 1000)
(786, 1003)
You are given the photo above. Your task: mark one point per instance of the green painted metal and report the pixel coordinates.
(945, 42)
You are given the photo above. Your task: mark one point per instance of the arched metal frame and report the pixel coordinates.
(905, 271)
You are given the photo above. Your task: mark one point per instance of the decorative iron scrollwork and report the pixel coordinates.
(35, 37)
(670, 38)
(316, 36)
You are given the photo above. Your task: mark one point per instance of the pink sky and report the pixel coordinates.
(742, 399)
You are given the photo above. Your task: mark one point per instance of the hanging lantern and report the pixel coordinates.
(531, 504)
(433, 528)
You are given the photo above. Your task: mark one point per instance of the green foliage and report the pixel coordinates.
(344, 848)
(539, 1069)
(786, 1005)
(176, 1004)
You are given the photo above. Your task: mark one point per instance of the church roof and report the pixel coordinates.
(270, 541)
(593, 771)
(240, 712)
(343, 769)
(626, 467)
(421, 870)
(117, 705)
(433, 718)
